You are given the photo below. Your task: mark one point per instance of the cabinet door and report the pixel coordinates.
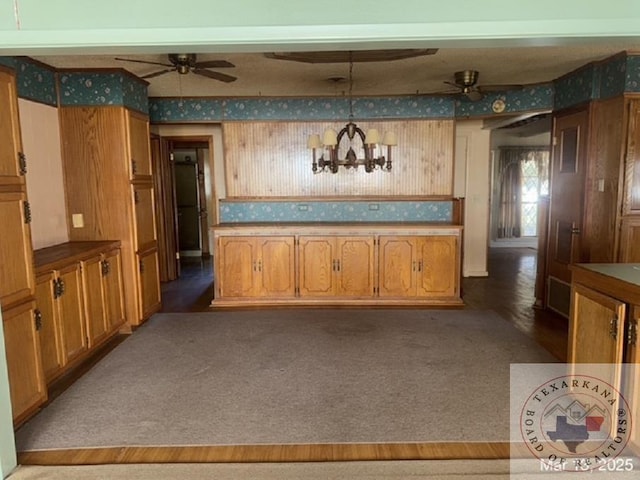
(139, 145)
(71, 312)
(437, 267)
(11, 167)
(149, 283)
(397, 266)
(113, 290)
(596, 328)
(631, 203)
(275, 267)
(94, 304)
(354, 266)
(632, 381)
(317, 266)
(17, 280)
(26, 381)
(50, 338)
(144, 212)
(237, 264)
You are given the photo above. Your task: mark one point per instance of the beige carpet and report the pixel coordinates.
(294, 376)
(397, 470)
(379, 470)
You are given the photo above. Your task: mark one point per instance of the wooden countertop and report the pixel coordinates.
(346, 228)
(58, 256)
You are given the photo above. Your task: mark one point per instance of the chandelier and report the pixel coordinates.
(372, 144)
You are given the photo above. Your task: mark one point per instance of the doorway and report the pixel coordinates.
(188, 195)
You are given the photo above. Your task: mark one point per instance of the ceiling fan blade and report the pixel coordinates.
(142, 61)
(454, 85)
(156, 74)
(473, 95)
(498, 88)
(214, 64)
(215, 75)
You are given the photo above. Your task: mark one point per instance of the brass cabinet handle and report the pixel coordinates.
(37, 317)
(22, 163)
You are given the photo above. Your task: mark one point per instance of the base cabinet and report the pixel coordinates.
(149, 282)
(336, 266)
(418, 266)
(256, 267)
(79, 296)
(603, 327)
(341, 265)
(22, 343)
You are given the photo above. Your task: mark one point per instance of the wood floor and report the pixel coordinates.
(508, 290)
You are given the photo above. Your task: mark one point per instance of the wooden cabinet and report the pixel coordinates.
(22, 344)
(336, 266)
(16, 255)
(12, 161)
(603, 326)
(107, 171)
(256, 267)
(79, 297)
(425, 266)
(148, 281)
(102, 286)
(139, 147)
(17, 276)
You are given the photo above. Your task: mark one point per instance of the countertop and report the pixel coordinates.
(626, 272)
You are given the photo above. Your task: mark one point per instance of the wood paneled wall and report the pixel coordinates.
(271, 159)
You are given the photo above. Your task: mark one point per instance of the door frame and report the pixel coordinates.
(169, 247)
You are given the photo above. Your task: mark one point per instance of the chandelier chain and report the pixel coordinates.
(350, 85)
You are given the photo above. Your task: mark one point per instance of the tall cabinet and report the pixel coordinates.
(110, 194)
(17, 277)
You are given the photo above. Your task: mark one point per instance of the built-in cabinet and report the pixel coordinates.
(418, 266)
(337, 264)
(603, 326)
(79, 295)
(110, 195)
(256, 267)
(17, 277)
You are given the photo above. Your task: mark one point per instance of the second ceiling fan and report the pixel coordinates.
(465, 82)
(184, 63)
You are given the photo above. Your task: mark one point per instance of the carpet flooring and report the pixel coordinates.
(294, 376)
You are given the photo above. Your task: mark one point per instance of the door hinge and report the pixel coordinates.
(632, 333)
(141, 266)
(37, 318)
(22, 163)
(27, 212)
(134, 167)
(613, 327)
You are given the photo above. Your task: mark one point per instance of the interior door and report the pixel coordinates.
(566, 208)
(186, 173)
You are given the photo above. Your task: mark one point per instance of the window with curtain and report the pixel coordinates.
(521, 176)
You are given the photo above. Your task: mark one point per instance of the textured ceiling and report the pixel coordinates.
(258, 75)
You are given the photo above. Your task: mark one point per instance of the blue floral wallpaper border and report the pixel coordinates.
(335, 211)
(36, 82)
(8, 61)
(632, 74)
(535, 97)
(102, 88)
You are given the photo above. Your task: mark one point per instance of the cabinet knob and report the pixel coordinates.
(37, 317)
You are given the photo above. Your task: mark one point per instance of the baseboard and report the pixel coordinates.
(529, 242)
(475, 273)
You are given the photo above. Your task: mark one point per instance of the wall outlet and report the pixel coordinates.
(601, 185)
(303, 208)
(78, 220)
(374, 206)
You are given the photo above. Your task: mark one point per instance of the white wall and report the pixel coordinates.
(7, 443)
(472, 161)
(45, 185)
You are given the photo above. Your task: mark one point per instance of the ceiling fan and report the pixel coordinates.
(184, 63)
(465, 82)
